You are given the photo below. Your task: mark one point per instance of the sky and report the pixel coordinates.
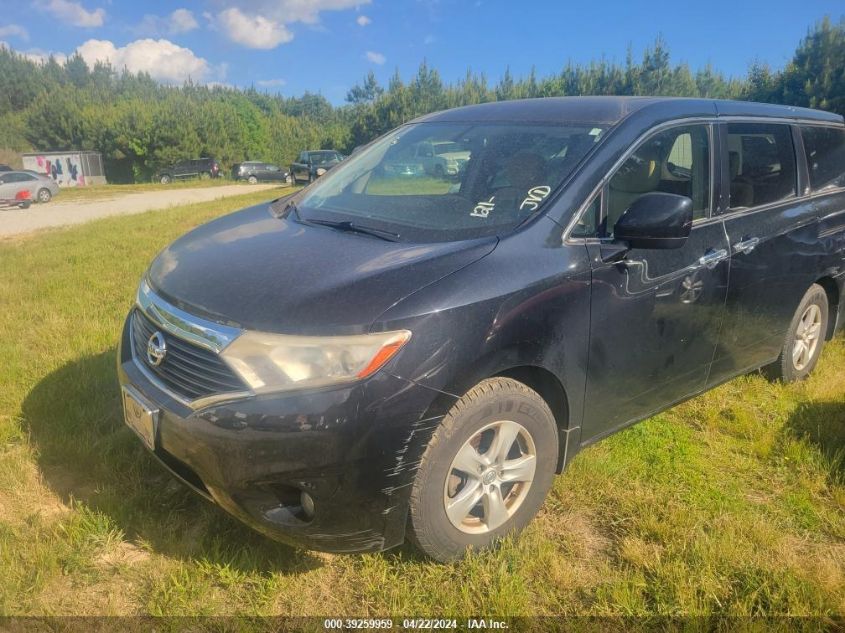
(326, 46)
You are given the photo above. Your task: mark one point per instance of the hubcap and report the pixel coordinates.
(807, 337)
(490, 477)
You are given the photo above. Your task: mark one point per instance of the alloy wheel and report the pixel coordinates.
(490, 477)
(807, 336)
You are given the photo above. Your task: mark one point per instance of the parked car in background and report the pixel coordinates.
(5, 168)
(312, 164)
(441, 158)
(41, 188)
(255, 171)
(193, 168)
(440, 352)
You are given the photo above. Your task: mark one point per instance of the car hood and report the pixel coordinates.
(256, 271)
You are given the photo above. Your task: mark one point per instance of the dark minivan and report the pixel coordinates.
(256, 171)
(380, 357)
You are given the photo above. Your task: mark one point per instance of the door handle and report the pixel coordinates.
(747, 245)
(711, 258)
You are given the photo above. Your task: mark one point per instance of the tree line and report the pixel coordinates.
(140, 125)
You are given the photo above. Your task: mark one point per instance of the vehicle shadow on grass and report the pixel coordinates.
(823, 425)
(87, 455)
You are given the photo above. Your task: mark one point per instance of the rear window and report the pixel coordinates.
(762, 164)
(825, 150)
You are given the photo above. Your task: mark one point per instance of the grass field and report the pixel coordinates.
(103, 192)
(731, 503)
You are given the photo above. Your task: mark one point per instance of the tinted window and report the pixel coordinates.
(825, 149)
(588, 223)
(676, 161)
(762, 164)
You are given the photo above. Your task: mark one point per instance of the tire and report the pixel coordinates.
(493, 409)
(310, 178)
(804, 339)
(165, 179)
(44, 195)
(252, 180)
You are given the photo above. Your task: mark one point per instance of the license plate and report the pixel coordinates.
(140, 417)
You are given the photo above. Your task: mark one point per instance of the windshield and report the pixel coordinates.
(319, 158)
(449, 181)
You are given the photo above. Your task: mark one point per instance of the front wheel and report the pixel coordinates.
(804, 339)
(165, 179)
(486, 471)
(252, 180)
(44, 195)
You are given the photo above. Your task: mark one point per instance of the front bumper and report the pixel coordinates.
(353, 449)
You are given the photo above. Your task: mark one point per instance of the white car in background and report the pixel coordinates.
(41, 188)
(441, 158)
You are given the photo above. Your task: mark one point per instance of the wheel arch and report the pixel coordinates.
(831, 289)
(538, 378)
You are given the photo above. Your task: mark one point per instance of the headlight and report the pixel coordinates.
(320, 171)
(278, 362)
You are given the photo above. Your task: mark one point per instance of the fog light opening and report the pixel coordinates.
(306, 501)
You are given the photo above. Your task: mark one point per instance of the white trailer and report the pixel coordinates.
(68, 169)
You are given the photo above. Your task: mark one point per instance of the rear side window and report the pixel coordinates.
(761, 159)
(825, 150)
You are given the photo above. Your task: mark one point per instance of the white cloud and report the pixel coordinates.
(183, 21)
(376, 58)
(307, 11)
(363, 20)
(263, 23)
(180, 21)
(74, 13)
(162, 59)
(14, 30)
(252, 31)
(271, 83)
(37, 55)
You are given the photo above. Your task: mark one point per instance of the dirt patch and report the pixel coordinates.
(58, 213)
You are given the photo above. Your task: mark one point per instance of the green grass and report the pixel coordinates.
(409, 185)
(104, 192)
(729, 504)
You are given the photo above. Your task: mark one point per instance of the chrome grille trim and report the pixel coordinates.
(208, 334)
(195, 375)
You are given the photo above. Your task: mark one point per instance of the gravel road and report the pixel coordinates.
(58, 213)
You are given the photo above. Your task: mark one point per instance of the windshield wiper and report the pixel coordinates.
(352, 227)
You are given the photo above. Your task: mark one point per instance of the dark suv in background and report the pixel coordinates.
(311, 165)
(192, 168)
(385, 355)
(256, 171)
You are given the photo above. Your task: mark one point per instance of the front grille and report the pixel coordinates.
(188, 370)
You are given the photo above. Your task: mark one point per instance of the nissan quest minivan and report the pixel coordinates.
(396, 354)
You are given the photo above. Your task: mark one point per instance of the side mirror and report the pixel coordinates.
(655, 220)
